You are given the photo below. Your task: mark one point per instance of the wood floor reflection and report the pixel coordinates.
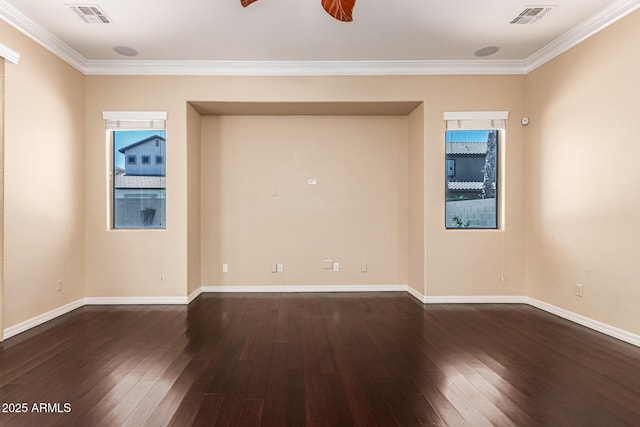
(320, 360)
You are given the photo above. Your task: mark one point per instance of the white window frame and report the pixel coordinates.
(484, 120)
(128, 120)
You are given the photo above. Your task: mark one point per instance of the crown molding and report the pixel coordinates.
(581, 32)
(568, 40)
(302, 68)
(41, 35)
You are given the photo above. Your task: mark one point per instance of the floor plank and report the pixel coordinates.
(376, 359)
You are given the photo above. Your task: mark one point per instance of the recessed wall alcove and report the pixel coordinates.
(302, 184)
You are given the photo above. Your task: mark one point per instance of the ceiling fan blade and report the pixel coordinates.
(246, 3)
(342, 10)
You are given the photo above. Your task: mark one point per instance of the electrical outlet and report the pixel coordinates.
(225, 268)
(336, 266)
(279, 268)
(364, 268)
(59, 285)
(579, 289)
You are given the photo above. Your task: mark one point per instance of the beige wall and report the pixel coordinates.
(259, 210)
(44, 189)
(135, 263)
(583, 178)
(473, 262)
(129, 263)
(63, 233)
(416, 226)
(194, 136)
(2, 65)
(577, 168)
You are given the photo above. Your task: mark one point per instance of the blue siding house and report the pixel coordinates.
(145, 157)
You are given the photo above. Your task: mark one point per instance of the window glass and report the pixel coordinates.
(451, 167)
(472, 178)
(139, 188)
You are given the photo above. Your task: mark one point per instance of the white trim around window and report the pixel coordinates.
(476, 120)
(9, 55)
(135, 120)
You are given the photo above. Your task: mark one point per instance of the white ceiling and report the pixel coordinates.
(412, 33)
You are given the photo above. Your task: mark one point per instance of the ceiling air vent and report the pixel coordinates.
(531, 14)
(91, 14)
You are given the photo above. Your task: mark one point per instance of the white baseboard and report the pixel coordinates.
(136, 300)
(43, 318)
(195, 294)
(477, 299)
(498, 299)
(474, 299)
(50, 315)
(612, 331)
(417, 295)
(549, 308)
(309, 288)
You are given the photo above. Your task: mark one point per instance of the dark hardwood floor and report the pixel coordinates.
(319, 360)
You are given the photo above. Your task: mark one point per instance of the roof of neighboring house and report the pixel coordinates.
(466, 185)
(466, 148)
(135, 144)
(139, 181)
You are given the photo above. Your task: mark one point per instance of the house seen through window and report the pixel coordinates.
(472, 178)
(139, 189)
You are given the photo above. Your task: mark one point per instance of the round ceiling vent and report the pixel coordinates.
(125, 50)
(486, 51)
